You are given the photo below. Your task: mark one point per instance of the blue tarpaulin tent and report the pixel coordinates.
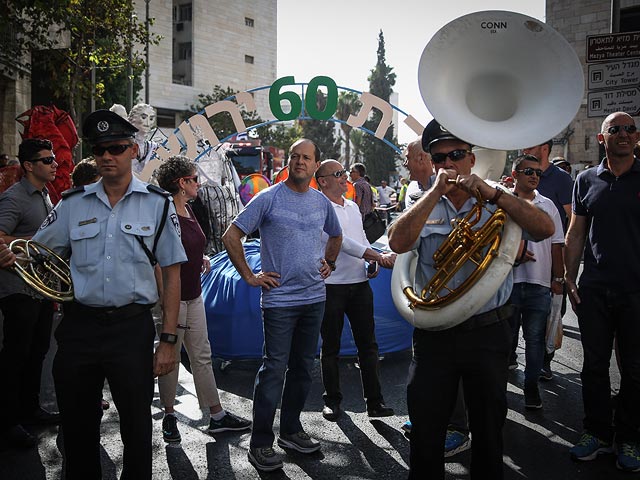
(234, 318)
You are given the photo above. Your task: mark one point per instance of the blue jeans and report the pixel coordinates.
(532, 306)
(290, 346)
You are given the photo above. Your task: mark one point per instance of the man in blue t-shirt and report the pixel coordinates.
(291, 218)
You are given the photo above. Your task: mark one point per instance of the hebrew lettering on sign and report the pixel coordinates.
(369, 102)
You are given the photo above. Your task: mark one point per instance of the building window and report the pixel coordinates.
(184, 51)
(629, 19)
(248, 21)
(248, 59)
(185, 12)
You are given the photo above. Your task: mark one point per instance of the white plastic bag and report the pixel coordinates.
(554, 325)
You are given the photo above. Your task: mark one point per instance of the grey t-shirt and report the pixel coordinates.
(291, 226)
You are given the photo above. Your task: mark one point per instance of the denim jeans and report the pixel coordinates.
(532, 306)
(290, 345)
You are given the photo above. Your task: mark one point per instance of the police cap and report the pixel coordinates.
(434, 132)
(106, 126)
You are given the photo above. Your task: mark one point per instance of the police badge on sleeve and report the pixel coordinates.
(176, 223)
(52, 217)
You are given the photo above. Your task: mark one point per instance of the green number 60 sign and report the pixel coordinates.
(276, 96)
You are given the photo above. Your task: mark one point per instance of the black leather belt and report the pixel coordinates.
(487, 318)
(108, 313)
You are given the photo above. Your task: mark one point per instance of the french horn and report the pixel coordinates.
(42, 269)
(500, 81)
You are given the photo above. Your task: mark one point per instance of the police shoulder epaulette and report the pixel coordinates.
(158, 190)
(72, 191)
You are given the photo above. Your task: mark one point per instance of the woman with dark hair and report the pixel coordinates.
(178, 176)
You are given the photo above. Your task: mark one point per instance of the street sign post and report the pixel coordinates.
(613, 46)
(620, 74)
(603, 103)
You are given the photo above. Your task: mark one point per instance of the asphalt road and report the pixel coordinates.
(354, 447)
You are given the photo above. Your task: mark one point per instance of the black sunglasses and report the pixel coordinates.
(45, 160)
(530, 171)
(337, 174)
(627, 128)
(455, 155)
(112, 149)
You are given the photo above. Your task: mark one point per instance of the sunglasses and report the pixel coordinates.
(455, 155)
(627, 128)
(337, 174)
(112, 149)
(530, 171)
(45, 160)
(190, 177)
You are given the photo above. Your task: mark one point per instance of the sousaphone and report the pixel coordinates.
(501, 81)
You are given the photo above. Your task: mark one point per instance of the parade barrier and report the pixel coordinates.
(234, 317)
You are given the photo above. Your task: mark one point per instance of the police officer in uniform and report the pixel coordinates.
(114, 231)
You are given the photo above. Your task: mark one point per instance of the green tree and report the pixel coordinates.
(357, 140)
(379, 158)
(77, 36)
(321, 131)
(348, 104)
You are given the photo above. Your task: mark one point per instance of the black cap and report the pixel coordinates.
(105, 126)
(434, 132)
(559, 161)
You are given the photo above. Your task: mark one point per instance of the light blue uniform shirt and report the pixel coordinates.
(109, 268)
(434, 233)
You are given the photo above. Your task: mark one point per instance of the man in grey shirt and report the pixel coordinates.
(27, 318)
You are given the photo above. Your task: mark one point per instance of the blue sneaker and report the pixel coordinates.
(406, 428)
(589, 447)
(628, 457)
(456, 442)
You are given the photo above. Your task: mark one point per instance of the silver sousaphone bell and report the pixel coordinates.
(501, 81)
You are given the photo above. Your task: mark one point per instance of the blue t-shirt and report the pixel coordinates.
(557, 185)
(612, 207)
(291, 226)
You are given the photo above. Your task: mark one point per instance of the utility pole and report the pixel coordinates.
(147, 74)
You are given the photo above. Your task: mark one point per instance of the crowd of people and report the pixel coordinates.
(131, 245)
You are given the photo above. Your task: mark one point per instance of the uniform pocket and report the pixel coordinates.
(132, 251)
(86, 247)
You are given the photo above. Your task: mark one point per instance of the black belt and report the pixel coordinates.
(487, 318)
(107, 313)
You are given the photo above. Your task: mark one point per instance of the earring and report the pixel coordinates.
(183, 192)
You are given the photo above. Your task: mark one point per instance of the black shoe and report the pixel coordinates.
(532, 400)
(16, 437)
(331, 412)
(379, 410)
(41, 417)
(170, 432)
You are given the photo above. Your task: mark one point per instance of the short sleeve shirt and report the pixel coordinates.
(557, 185)
(109, 267)
(363, 192)
(291, 226)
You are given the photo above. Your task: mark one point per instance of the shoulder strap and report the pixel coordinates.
(72, 191)
(151, 254)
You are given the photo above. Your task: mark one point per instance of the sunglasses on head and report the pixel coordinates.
(45, 160)
(99, 150)
(627, 128)
(337, 174)
(530, 171)
(454, 155)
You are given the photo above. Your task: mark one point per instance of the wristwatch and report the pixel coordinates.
(560, 280)
(331, 263)
(169, 338)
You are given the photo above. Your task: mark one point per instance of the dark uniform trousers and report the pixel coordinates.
(356, 300)
(99, 343)
(27, 336)
(479, 356)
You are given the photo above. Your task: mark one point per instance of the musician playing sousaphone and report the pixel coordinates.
(477, 349)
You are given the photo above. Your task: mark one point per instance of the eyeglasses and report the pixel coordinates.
(190, 177)
(455, 155)
(530, 171)
(337, 174)
(99, 150)
(627, 128)
(45, 160)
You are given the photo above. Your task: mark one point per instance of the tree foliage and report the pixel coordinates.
(378, 157)
(280, 136)
(348, 104)
(321, 131)
(77, 36)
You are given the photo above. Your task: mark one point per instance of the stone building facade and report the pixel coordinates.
(575, 20)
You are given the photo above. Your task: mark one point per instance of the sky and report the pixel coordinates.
(339, 39)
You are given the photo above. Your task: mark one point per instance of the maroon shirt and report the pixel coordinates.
(193, 241)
